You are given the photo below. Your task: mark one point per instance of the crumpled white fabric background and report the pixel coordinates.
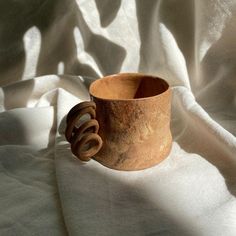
(51, 50)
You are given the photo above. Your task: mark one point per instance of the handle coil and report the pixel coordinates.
(84, 139)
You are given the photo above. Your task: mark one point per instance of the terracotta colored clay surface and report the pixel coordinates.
(133, 112)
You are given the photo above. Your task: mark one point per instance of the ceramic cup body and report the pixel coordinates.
(133, 113)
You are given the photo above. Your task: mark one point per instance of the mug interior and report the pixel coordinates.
(128, 86)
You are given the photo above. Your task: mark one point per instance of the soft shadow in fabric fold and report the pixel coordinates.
(51, 17)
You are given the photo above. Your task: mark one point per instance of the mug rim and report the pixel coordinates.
(127, 74)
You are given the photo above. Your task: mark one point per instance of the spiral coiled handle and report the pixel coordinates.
(84, 139)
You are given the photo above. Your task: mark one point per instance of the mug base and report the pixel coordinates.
(136, 166)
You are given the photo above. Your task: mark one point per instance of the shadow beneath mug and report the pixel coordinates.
(115, 202)
(115, 207)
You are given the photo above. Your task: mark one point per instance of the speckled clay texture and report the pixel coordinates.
(136, 134)
(133, 113)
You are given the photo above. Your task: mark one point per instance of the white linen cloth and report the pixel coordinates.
(44, 190)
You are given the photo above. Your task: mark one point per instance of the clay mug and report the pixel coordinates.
(129, 127)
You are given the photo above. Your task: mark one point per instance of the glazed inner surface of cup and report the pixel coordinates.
(128, 86)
